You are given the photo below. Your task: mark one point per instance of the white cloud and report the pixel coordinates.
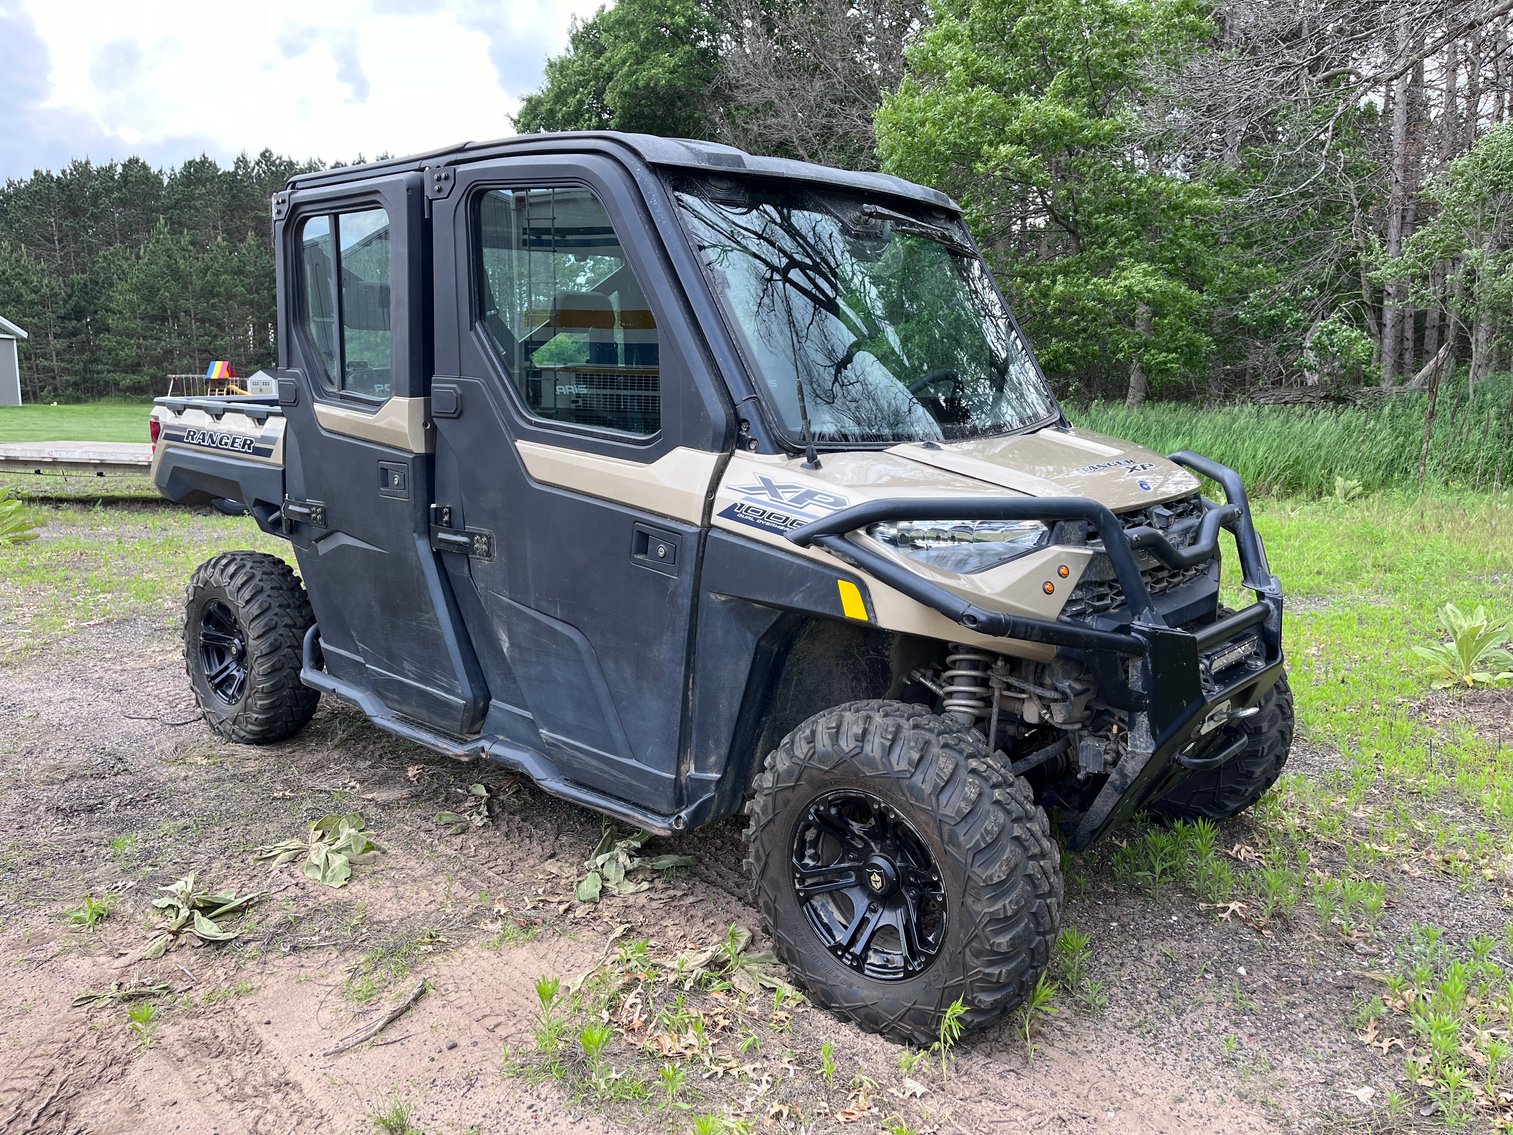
(325, 80)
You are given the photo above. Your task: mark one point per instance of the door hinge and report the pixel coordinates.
(312, 513)
(439, 182)
(472, 542)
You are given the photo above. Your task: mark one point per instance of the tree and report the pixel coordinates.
(123, 273)
(645, 66)
(1028, 114)
(1473, 233)
(804, 78)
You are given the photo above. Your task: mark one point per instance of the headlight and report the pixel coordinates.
(962, 546)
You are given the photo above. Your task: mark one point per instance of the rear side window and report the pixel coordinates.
(345, 268)
(563, 312)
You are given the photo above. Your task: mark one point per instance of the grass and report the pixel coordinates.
(1300, 451)
(102, 564)
(394, 1119)
(111, 420)
(1365, 580)
(377, 971)
(1448, 1010)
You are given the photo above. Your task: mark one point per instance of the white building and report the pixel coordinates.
(10, 365)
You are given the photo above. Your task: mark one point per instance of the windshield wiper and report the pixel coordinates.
(915, 226)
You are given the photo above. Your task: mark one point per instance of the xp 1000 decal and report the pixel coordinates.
(780, 506)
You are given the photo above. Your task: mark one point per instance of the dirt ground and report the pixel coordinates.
(112, 787)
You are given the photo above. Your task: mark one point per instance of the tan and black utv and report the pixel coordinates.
(686, 482)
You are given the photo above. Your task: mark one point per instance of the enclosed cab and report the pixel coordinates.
(685, 481)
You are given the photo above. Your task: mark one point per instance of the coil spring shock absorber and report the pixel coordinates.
(964, 687)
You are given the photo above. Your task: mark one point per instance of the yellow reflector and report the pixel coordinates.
(851, 600)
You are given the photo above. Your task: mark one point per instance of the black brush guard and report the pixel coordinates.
(1153, 671)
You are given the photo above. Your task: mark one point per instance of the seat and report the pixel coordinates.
(590, 314)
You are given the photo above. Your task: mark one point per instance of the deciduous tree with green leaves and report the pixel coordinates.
(1028, 114)
(645, 66)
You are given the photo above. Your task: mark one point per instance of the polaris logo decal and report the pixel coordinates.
(800, 497)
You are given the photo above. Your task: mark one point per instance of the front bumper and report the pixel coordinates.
(1177, 684)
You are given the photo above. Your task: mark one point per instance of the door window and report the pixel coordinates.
(563, 312)
(345, 266)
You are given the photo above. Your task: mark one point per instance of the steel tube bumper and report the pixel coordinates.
(1154, 671)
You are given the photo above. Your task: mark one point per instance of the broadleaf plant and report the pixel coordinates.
(1475, 656)
(334, 843)
(18, 524)
(185, 909)
(613, 859)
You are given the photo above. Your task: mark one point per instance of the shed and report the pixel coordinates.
(10, 365)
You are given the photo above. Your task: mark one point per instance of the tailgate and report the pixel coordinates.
(220, 448)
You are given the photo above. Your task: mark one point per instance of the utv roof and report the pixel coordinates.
(684, 153)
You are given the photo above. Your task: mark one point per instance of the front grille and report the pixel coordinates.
(1098, 591)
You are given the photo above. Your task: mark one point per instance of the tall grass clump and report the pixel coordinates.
(1298, 450)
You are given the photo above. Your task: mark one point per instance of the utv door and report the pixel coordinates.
(577, 439)
(353, 347)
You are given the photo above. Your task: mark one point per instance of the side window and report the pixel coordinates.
(563, 312)
(345, 266)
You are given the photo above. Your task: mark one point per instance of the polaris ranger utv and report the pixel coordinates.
(684, 482)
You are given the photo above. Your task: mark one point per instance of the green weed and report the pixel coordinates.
(827, 1061)
(143, 1018)
(395, 1119)
(1476, 654)
(1036, 1007)
(18, 524)
(91, 912)
(949, 1032)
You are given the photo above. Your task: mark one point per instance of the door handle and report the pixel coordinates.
(655, 548)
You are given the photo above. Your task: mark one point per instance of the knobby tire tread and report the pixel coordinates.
(997, 842)
(270, 603)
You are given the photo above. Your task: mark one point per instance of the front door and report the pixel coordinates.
(353, 343)
(577, 439)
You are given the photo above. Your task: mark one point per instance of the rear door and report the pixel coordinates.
(578, 436)
(355, 354)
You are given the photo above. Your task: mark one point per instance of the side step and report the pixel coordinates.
(537, 766)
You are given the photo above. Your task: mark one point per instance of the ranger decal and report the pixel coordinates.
(1128, 464)
(217, 439)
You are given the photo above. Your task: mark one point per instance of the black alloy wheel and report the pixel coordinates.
(868, 885)
(223, 652)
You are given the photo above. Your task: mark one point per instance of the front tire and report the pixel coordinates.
(245, 620)
(1224, 792)
(897, 868)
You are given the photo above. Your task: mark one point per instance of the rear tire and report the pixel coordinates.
(1234, 786)
(947, 849)
(245, 620)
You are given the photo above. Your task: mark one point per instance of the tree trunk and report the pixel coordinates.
(1139, 381)
(1432, 312)
(1390, 347)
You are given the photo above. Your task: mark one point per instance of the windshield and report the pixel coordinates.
(883, 326)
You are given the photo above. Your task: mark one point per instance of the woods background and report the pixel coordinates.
(1301, 201)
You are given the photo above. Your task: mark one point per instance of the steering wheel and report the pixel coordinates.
(947, 406)
(938, 375)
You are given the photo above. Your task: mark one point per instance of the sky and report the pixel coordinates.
(326, 79)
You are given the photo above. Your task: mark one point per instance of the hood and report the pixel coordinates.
(1052, 462)
(1049, 463)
